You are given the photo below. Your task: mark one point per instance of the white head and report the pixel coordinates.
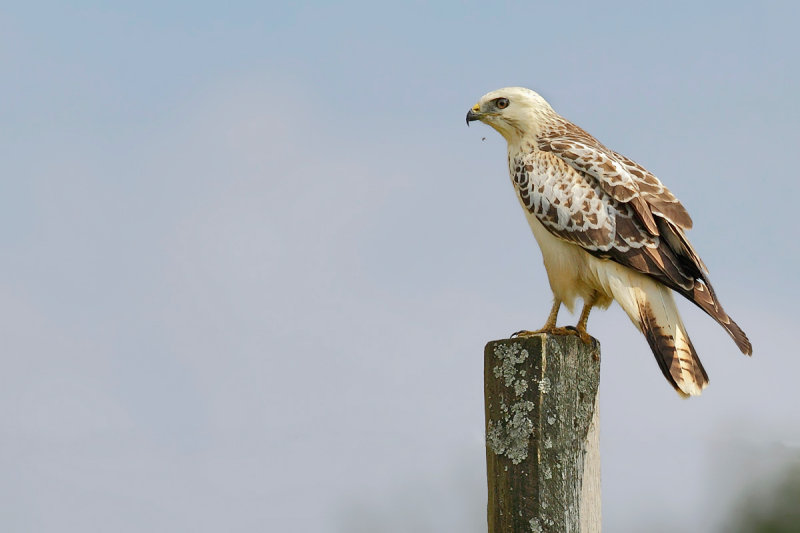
(515, 112)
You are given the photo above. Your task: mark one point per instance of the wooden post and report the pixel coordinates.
(542, 445)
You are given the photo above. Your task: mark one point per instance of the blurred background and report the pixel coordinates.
(251, 255)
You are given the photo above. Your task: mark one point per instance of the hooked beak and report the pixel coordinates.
(473, 114)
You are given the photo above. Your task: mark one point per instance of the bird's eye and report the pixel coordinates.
(501, 103)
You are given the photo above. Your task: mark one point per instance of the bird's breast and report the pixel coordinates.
(571, 270)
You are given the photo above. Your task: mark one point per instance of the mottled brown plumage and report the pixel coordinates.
(608, 229)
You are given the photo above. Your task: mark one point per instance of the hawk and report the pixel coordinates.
(608, 230)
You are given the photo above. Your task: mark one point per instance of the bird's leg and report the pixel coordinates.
(549, 326)
(587, 308)
(553, 316)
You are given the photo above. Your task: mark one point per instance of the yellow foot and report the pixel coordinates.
(585, 337)
(525, 333)
(569, 330)
(550, 331)
(582, 334)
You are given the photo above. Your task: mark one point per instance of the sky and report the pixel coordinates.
(251, 256)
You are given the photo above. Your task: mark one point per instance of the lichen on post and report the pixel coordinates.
(542, 449)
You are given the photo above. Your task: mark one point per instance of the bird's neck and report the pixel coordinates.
(521, 144)
(523, 135)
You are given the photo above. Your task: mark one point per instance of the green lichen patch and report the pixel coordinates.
(509, 357)
(544, 385)
(511, 435)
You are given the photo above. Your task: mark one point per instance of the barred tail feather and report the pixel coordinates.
(667, 337)
(652, 309)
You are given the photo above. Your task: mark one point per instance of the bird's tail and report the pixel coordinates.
(652, 309)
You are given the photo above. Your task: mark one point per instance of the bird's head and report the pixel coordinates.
(515, 112)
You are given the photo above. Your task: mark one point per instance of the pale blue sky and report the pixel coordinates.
(247, 247)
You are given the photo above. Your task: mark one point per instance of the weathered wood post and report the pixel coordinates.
(542, 445)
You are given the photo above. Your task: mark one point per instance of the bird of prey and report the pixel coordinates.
(608, 230)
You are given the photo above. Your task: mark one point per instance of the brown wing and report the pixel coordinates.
(577, 207)
(568, 205)
(620, 177)
(662, 202)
